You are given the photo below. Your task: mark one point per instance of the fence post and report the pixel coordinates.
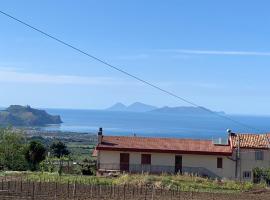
(153, 192)
(110, 190)
(99, 191)
(28, 187)
(74, 189)
(33, 190)
(118, 191)
(91, 190)
(8, 185)
(39, 185)
(21, 188)
(124, 191)
(145, 197)
(55, 190)
(68, 188)
(15, 186)
(133, 191)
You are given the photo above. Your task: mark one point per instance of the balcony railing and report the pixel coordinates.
(138, 168)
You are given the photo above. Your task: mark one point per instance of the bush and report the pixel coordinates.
(261, 174)
(88, 167)
(258, 173)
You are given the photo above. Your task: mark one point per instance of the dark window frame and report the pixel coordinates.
(259, 155)
(146, 159)
(219, 163)
(247, 174)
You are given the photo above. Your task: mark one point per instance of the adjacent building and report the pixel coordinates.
(234, 159)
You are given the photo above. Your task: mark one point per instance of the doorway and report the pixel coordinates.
(178, 164)
(124, 161)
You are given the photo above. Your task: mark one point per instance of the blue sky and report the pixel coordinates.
(214, 53)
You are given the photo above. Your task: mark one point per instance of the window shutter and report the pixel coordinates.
(219, 163)
(146, 159)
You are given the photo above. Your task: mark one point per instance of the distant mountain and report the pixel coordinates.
(185, 110)
(135, 107)
(140, 107)
(182, 110)
(16, 115)
(117, 107)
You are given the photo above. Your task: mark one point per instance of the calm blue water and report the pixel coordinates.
(154, 125)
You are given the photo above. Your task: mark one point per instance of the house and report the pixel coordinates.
(250, 151)
(234, 159)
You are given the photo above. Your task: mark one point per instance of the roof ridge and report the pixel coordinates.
(143, 137)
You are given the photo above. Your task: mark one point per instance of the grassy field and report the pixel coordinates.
(181, 182)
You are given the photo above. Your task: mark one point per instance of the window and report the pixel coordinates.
(247, 174)
(258, 155)
(146, 159)
(219, 163)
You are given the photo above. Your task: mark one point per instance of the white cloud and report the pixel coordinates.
(215, 52)
(11, 75)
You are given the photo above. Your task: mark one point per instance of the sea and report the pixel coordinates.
(150, 124)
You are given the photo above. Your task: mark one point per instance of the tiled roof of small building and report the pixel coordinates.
(163, 145)
(260, 141)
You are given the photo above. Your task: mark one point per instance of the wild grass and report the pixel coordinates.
(181, 182)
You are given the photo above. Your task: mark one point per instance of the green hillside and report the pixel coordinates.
(17, 115)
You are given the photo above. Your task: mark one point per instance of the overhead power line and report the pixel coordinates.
(127, 73)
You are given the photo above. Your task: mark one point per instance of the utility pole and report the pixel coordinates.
(239, 156)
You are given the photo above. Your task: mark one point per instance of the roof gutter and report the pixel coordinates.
(165, 151)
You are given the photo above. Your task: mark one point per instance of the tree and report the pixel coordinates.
(12, 145)
(59, 149)
(34, 154)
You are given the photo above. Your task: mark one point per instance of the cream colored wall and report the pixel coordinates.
(248, 162)
(210, 162)
(106, 157)
(165, 159)
(135, 158)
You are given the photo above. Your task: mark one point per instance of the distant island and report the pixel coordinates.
(188, 110)
(182, 110)
(135, 107)
(16, 115)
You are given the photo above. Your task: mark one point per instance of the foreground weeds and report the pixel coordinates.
(171, 182)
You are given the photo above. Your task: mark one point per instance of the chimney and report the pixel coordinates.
(100, 136)
(230, 133)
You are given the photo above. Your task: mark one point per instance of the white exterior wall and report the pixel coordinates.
(208, 162)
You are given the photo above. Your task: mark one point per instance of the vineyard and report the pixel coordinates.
(19, 188)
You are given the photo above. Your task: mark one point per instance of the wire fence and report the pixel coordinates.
(41, 190)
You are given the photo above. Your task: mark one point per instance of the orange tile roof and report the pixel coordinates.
(163, 145)
(268, 137)
(251, 141)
